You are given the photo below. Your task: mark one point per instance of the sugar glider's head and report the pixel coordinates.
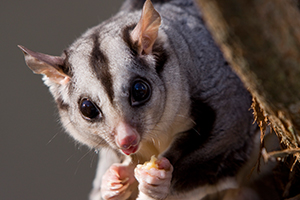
(108, 84)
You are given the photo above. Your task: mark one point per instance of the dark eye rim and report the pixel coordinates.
(98, 118)
(140, 103)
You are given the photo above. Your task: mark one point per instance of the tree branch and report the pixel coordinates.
(261, 40)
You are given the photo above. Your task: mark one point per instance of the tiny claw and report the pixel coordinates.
(125, 180)
(116, 186)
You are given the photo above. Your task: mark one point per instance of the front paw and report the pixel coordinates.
(116, 182)
(154, 182)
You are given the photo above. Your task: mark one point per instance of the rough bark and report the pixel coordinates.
(261, 40)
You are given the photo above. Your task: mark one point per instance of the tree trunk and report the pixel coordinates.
(261, 41)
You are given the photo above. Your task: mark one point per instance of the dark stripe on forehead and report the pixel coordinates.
(100, 66)
(133, 46)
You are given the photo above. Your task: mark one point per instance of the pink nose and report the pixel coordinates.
(127, 138)
(128, 141)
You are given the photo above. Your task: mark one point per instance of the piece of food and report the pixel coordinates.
(151, 164)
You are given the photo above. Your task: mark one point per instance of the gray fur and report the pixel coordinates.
(198, 115)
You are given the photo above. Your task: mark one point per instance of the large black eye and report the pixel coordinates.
(140, 92)
(89, 110)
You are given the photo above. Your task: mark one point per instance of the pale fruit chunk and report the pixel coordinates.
(151, 163)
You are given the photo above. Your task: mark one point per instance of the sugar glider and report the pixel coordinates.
(151, 81)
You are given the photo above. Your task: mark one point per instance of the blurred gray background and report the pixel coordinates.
(38, 161)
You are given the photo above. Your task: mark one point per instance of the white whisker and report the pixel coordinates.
(52, 138)
(84, 156)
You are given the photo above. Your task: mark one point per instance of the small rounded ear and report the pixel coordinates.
(51, 66)
(146, 31)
